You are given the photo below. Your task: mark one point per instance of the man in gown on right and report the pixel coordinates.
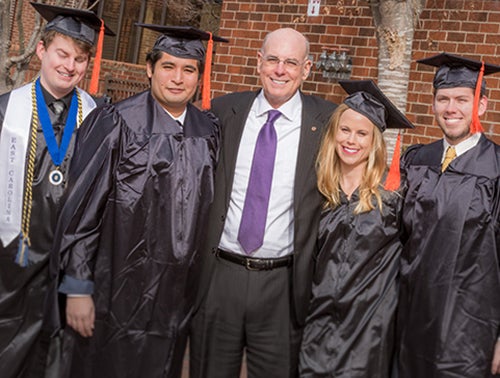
(449, 314)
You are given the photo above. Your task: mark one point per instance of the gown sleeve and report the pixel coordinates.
(89, 184)
(406, 161)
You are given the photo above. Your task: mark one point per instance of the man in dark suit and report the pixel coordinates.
(256, 273)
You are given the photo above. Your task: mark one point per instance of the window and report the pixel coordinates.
(131, 42)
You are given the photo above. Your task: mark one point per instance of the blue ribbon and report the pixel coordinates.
(56, 152)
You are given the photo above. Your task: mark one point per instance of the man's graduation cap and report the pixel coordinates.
(366, 98)
(456, 71)
(79, 24)
(186, 42)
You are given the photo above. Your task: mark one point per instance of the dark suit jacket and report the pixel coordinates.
(232, 111)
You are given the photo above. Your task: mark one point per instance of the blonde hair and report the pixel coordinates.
(328, 168)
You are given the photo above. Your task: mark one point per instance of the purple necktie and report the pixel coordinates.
(253, 218)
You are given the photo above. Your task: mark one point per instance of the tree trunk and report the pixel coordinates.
(395, 23)
(4, 44)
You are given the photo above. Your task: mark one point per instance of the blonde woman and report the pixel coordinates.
(349, 330)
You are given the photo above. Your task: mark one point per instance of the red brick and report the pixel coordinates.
(484, 49)
(478, 16)
(493, 39)
(456, 37)
(262, 8)
(489, 28)
(494, 17)
(474, 38)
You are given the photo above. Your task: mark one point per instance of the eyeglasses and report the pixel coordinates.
(288, 63)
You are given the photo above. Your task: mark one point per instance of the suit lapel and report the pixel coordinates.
(310, 135)
(235, 123)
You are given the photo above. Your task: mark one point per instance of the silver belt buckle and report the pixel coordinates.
(248, 266)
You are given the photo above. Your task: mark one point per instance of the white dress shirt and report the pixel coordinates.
(278, 237)
(463, 146)
(180, 119)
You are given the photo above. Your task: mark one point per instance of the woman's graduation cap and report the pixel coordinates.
(186, 42)
(79, 24)
(456, 71)
(366, 98)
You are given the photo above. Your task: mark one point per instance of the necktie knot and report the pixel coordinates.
(272, 115)
(58, 107)
(450, 154)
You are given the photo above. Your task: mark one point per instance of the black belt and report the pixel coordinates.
(253, 263)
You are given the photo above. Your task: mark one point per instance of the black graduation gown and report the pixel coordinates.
(350, 327)
(132, 223)
(23, 289)
(450, 284)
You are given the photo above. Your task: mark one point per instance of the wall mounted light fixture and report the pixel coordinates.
(335, 65)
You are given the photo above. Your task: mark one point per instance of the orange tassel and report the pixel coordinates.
(393, 179)
(96, 70)
(476, 126)
(205, 90)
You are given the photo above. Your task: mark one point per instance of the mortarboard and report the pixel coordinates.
(79, 24)
(182, 41)
(366, 98)
(456, 71)
(186, 42)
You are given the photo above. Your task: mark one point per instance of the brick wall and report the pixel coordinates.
(462, 27)
(470, 28)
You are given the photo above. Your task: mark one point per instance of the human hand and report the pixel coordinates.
(495, 364)
(80, 314)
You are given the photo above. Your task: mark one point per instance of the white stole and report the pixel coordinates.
(14, 142)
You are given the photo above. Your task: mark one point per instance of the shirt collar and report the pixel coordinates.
(465, 145)
(49, 99)
(288, 109)
(180, 118)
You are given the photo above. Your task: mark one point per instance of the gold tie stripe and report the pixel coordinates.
(448, 157)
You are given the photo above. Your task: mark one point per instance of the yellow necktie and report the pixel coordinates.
(448, 157)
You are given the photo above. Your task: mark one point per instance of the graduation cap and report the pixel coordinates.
(367, 99)
(456, 71)
(186, 42)
(79, 24)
